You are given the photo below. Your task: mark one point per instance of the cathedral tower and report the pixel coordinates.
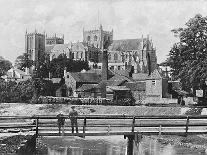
(97, 38)
(34, 46)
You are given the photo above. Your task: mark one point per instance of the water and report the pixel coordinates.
(113, 145)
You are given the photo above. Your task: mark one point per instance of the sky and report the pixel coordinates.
(128, 19)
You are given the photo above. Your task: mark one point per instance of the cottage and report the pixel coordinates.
(75, 80)
(157, 85)
(16, 75)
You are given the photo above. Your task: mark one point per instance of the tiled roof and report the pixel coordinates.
(139, 76)
(86, 87)
(126, 45)
(86, 77)
(99, 71)
(156, 74)
(136, 86)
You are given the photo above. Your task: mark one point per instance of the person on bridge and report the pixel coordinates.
(61, 122)
(73, 118)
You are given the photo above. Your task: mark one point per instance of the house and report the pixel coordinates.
(138, 89)
(75, 80)
(16, 75)
(156, 85)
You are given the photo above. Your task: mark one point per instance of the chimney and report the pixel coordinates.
(104, 74)
(105, 65)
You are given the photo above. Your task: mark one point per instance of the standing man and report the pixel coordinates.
(73, 118)
(61, 122)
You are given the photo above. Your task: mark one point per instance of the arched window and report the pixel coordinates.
(88, 38)
(95, 38)
(115, 56)
(109, 56)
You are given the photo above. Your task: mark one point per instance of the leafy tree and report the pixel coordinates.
(188, 57)
(58, 65)
(23, 62)
(5, 65)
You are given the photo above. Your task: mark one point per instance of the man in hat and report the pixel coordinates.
(60, 122)
(73, 118)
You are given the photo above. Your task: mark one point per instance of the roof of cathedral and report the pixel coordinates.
(48, 48)
(61, 47)
(126, 44)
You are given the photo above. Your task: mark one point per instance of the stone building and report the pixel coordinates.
(34, 46)
(138, 55)
(97, 38)
(54, 40)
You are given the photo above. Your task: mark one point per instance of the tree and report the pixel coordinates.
(5, 65)
(188, 57)
(23, 62)
(58, 65)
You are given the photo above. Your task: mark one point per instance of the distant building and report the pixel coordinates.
(16, 75)
(137, 54)
(97, 38)
(34, 47)
(53, 40)
(157, 85)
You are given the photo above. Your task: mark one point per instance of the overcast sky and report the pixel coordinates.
(128, 19)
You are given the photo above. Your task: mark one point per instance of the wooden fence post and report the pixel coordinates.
(187, 124)
(84, 127)
(37, 124)
(133, 123)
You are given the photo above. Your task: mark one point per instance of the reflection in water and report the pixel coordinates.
(84, 147)
(103, 147)
(152, 147)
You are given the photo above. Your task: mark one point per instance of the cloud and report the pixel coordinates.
(128, 19)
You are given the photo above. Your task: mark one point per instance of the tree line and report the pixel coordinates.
(188, 57)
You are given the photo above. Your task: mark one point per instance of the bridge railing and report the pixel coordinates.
(108, 123)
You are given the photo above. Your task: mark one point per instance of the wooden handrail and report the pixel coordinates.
(104, 117)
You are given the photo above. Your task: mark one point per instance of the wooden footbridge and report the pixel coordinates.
(106, 125)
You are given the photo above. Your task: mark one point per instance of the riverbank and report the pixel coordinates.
(25, 109)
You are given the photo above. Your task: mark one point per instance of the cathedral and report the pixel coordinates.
(138, 55)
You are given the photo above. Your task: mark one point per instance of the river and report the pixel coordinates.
(111, 145)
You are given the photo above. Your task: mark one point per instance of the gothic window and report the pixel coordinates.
(95, 38)
(119, 67)
(115, 56)
(109, 56)
(81, 56)
(88, 38)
